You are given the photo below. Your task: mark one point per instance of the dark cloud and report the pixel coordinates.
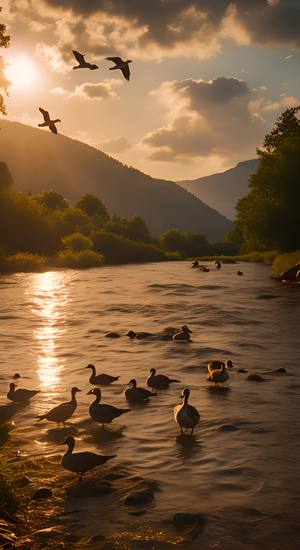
(214, 118)
(169, 23)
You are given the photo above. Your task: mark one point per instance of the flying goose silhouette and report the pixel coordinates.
(48, 122)
(83, 64)
(83, 461)
(120, 64)
(185, 414)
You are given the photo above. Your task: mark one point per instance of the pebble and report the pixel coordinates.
(281, 370)
(43, 492)
(255, 378)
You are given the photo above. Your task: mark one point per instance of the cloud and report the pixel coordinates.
(116, 145)
(53, 56)
(213, 118)
(91, 91)
(167, 27)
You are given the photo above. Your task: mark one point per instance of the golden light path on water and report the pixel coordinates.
(49, 294)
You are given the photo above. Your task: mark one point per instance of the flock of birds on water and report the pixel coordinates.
(119, 64)
(185, 415)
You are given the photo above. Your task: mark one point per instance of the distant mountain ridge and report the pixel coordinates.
(222, 191)
(39, 160)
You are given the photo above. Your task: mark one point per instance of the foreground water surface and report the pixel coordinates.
(240, 469)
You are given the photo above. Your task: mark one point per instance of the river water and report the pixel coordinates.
(241, 468)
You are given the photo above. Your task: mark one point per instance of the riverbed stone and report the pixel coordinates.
(23, 481)
(139, 496)
(255, 378)
(42, 492)
(89, 488)
(186, 520)
(280, 370)
(113, 335)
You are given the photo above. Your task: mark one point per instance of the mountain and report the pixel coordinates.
(222, 191)
(40, 160)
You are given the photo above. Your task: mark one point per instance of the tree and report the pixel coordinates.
(92, 206)
(52, 200)
(268, 217)
(4, 83)
(77, 242)
(6, 179)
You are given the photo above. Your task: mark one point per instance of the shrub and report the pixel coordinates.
(283, 262)
(77, 242)
(118, 249)
(80, 259)
(23, 261)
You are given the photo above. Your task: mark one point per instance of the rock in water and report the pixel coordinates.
(255, 378)
(185, 520)
(43, 492)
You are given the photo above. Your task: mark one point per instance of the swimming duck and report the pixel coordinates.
(102, 413)
(195, 263)
(217, 365)
(186, 415)
(133, 393)
(218, 264)
(61, 413)
(139, 335)
(100, 379)
(48, 122)
(83, 461)
(239, 272)
(159, 381)
(83, 64)
(183, 335)
(20, 395)
(218, 376)
(120, 64)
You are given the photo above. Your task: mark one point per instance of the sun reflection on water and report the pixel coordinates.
(49, 294)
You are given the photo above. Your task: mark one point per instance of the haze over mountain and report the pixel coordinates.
(39, 160)
(222, 191)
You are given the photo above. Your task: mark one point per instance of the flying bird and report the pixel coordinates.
(83, 64)
(120, 64)
(48, 122)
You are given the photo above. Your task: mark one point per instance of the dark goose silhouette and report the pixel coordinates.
(122, 65)
(81, 462)
(48, 122)
(82, 63)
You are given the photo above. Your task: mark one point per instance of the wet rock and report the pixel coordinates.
(185, 520)
(49, 532)
(23, 481)
(255, 378)
(41, 493)
(16, 376)
(281, 370)
(139, 497)
(89, 488)
(137, 512)
(228, 428)
(113, 335)
(242, 370)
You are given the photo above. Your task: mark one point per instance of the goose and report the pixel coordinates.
(139, 335)
(186, 415)
(133, 393)
(159, 381)
(102, 413)
(20, 395)
(218, 264)
(61, 413)
(239, 272)
(83, 461)
(217, 365)
(218, 375)
(48, 122)
(120, 64)
(83, 64)
(195, 263)
(100, 379)
(183, 335)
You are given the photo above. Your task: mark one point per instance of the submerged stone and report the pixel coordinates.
(139, 497)
(281, 370)
(113, 335)
(186, 520)
(43, 492)
(255, 378)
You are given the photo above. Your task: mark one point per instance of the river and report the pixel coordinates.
(241, 468)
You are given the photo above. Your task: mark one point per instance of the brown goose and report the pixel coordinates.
(83, 461)
(61, 413)
(185, 414)
(20, 395)
(100, 379)
(82, 63)
(159, 381)
(182, 335)
(135, 394)
(103, 413)
(218, 376)
(120, 64)
(48, 122)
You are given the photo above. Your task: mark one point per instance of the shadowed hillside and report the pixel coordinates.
(222, 191)
(40, 160)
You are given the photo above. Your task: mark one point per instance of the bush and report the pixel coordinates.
(283, 262)
(23, 261)
(118, 249)
(77, 242)
(81, 259)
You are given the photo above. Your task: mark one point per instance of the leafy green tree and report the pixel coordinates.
(4, 83)
(77, 242)
(186, 243)
(268, 217)
(92, 206)
(52, 200)
(173, 240)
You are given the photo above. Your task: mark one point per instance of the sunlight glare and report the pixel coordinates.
(21, 72)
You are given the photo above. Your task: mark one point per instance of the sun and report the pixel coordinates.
(21, 72)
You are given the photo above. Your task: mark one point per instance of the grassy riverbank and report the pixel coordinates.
(284, 261)
(261, 257)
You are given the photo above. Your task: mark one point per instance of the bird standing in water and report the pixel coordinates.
(83, 461)
(185, 414)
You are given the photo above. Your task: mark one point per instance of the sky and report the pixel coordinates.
(208, 77)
